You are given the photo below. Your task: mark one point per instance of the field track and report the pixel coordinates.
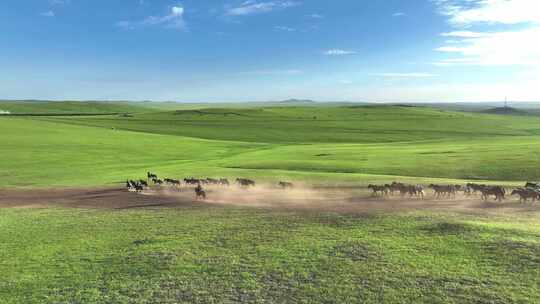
(325, 200)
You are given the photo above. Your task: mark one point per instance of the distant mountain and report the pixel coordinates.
(297, 101)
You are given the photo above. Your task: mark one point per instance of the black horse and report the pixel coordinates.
(134, 186)
(139, 187)
(171, 181)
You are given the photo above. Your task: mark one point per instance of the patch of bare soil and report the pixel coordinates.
(113, 198)
(300, 198)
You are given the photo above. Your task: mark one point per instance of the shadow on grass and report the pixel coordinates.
(448, 228)
(515, 256)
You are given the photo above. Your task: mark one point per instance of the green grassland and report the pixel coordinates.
(71, 107)
(37, 153)
(232, 255)
(301, 125)
(209, 254)
(332, 144)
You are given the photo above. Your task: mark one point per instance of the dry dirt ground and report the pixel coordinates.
(330, 199)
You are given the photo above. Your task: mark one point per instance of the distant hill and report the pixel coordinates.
(34, 107)
(298, 101)
(505, 111)
(480, 106)
(43, 107)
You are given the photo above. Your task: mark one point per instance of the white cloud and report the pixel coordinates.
(456, 61)
(466, 12)
(491, 47)
(251, 7)
(173, 20)
(177, 11)
(47, 14)
(501, 48)
(338, 52)
(449, 49)
(404, 75)
(284, 28)
(464, 34)
(398, 14)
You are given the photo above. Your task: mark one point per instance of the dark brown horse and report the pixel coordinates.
(244, 182)
(200, 194)
(382, 190)
(497, 191)
(525, 194)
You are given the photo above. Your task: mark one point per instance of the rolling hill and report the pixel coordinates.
(355, 124)
(319, 144)
(71, 107)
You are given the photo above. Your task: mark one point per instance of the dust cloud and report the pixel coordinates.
(262, 195)
(303, 198)
(347, 200)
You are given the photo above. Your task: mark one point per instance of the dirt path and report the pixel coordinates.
(340, 200)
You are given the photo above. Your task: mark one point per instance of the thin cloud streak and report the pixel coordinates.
(403, 75)
(339, 52)
(464, 34)
(251, 7)
(173, 20)
(284, 28)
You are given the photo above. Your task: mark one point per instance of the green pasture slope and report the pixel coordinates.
(71, 107)
(326, 144)
(204, 254)
(313, 125)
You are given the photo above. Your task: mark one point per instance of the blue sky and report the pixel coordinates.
(228, 50)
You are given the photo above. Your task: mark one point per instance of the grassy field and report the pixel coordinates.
(229, 255)
(46, 154)
(309, 125)
(337, 144)
(209, 254)
(71, 107)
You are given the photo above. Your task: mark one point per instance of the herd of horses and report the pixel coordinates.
(152, 179)
(531, 191)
